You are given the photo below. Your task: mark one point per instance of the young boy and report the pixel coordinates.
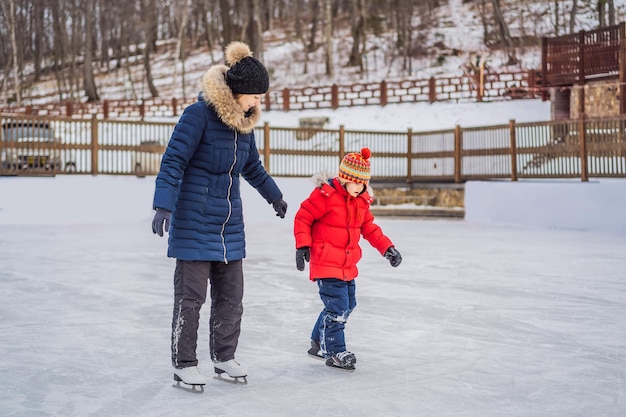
(327, 228)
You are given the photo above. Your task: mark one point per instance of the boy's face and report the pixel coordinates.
(354, 189)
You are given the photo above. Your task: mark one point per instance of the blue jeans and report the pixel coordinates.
(339, 300)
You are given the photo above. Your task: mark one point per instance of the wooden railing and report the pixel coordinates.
(556, 149)
(489, 87)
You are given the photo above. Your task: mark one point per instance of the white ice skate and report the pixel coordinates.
(236, 373)
(192, 379)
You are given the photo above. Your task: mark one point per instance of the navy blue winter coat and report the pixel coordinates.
(211, 146)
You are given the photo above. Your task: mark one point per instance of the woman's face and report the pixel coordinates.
(354, 188)
(248, 101)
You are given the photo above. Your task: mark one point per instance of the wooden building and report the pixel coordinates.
(585, 73)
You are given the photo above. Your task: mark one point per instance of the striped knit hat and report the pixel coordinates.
(355, 167)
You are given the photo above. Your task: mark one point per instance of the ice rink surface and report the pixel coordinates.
(477, 321)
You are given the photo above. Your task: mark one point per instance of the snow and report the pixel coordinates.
(511, 315)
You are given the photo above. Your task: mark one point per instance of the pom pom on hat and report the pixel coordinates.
(245, 75)
(355, 167)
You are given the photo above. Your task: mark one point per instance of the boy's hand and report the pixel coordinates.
(393, 256)
(302, 254)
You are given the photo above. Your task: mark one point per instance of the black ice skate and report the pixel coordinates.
(192, 379)
(343, 360)
(316, 350)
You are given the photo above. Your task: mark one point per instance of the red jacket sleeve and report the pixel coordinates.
(311, 209)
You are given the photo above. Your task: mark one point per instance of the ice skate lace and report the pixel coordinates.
(342, 356)
(193, 371)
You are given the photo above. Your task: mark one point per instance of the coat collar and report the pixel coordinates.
(215, 91)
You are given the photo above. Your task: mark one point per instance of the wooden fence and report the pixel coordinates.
(488, 87)
(36, 145)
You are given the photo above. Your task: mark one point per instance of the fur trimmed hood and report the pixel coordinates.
(216, 92)
(323, 177)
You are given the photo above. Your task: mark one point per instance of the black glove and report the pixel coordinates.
(302, 254)
(281, 207)
(161, 221)
(393, 256)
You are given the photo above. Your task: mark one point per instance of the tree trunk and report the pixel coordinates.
(89, 83)
(504, 32)
(60, 48)
(254, 34)
(16, 66)
(38, 48)
(148, 14)
(315, 12)
(572, 16)
(179, 55)
(359, 17)
(601, 13)
(328, 16)
(227, 26)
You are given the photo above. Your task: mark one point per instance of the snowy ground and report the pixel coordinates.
(478, 321)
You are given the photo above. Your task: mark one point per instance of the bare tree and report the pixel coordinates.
(357, 29)
(254, 33)
(328, 16)
(179, 54)
(504, 32)
(572, 16)
(16, 66)
(148, 19)
(88, 81)
(227, 25)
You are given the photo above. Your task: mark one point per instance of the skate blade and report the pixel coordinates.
(193, 388)
(238, 380)
(339, 368)
(315, 356)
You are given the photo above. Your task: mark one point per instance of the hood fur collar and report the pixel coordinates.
(216, 92)
(323, 177)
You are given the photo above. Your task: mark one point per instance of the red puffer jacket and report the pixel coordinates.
(331, 223)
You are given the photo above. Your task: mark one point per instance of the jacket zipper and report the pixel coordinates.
(230, 204)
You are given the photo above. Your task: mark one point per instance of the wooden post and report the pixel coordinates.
(622, 67)
(285, 99)
(94, 144)
(383, 93)
(334, 96)
(432, 90)
(174, 106)
(532, 83)
(268, 103)
(544, 69)
(68, 108)
(581, 73)
(142, 109)
(266, 146)
(458, 143)
(342, 145)
(105, 109)
(513, 150)
(584, 170)
(409, 155)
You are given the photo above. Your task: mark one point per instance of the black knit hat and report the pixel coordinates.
(245, 75)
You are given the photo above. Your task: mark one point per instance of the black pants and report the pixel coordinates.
(190, 288)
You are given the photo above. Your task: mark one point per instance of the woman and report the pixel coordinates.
(197, 188)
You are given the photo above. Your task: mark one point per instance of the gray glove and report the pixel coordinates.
(393, 256)
(302, 254)
(281, 207)
(161, 221)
